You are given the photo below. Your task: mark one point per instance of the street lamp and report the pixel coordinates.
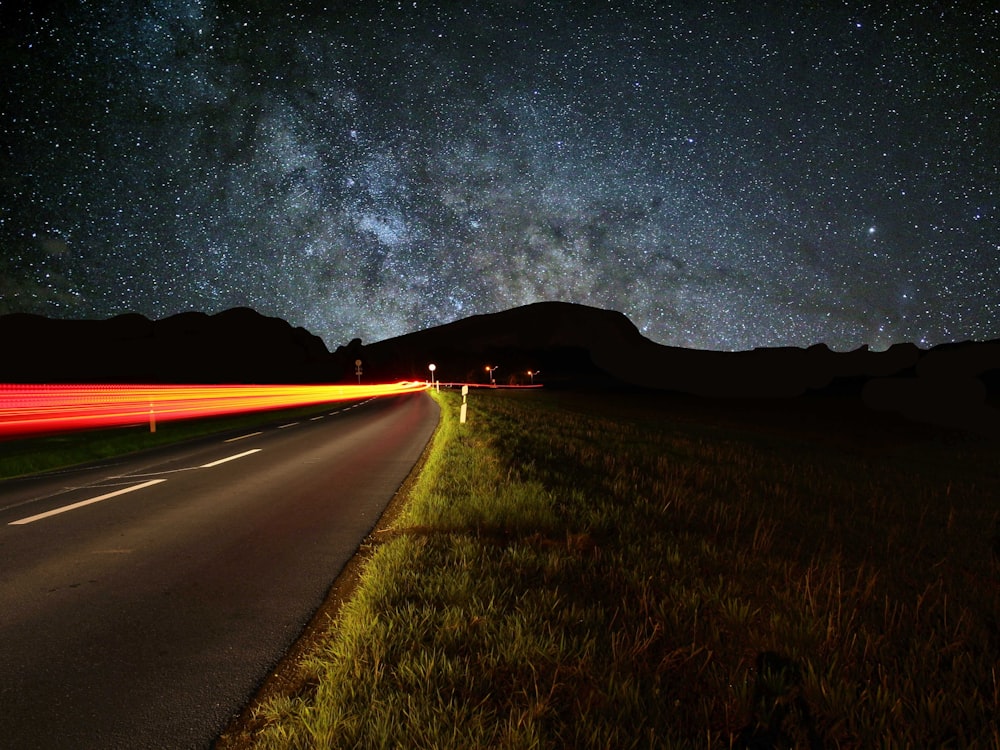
(531, 374)
(432, 368)
(491, 370)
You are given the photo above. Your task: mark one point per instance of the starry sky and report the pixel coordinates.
(727, 174)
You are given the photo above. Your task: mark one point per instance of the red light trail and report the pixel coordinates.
(36, 409)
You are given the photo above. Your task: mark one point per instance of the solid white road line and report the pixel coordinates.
(243, 437)
(74, 506)
(230, 458)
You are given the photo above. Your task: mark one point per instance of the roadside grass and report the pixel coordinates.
(571, 573)
(20, 457)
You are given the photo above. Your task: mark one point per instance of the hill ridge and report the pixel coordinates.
(566, 344)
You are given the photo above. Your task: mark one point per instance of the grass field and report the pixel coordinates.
(47, 452)
(635, 572)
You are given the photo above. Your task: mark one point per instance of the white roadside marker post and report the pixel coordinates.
(462, 413)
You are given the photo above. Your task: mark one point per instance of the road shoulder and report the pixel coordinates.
(287, 678)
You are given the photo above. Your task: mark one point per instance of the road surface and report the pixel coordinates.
(143, 601)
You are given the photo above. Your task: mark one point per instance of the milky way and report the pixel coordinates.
(728, 175)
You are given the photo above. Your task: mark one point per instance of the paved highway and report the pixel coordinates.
(142, 601)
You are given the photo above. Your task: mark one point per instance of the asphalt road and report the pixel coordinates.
(147, 619)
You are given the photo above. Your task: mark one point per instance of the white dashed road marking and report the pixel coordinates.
(74, 506)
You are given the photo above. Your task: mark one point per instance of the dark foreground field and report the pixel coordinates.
(575, 570)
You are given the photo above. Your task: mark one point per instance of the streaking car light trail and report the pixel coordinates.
(36, 409)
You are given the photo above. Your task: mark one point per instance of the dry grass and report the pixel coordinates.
(575, 573)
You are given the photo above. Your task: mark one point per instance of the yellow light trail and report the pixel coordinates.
(31, 409)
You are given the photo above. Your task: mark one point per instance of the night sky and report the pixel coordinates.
(728, 175)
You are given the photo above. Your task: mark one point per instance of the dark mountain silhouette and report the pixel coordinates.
(569, 345)
(235, 346)
(949, 385)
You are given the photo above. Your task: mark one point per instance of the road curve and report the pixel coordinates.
(143, 601)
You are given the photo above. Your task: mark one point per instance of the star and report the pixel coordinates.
(714, 176)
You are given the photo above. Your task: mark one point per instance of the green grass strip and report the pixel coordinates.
(19, 457)
(570, 574)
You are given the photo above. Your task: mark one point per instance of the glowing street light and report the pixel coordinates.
(491, 370)
(432, 367)
(531, 374)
